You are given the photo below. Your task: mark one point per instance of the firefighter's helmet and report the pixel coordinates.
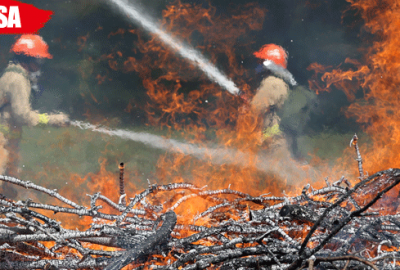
(31, 45)
(274, 53)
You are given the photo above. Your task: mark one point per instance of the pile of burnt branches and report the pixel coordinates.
(334, 227)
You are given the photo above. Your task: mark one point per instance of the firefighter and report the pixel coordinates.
(286, 106)
(17, 83)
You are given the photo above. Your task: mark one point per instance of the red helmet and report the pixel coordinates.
(31, 45)
(273, 52)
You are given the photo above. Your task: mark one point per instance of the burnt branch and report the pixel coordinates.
(354, 142)
(147, 246)
(122, 198)
(30, 185)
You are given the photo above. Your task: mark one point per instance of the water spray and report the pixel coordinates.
(212, 72)
(266, 162)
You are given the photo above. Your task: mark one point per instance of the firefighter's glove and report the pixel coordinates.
(43, 119)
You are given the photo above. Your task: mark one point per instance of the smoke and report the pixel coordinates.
(277, 163)
(184, 50)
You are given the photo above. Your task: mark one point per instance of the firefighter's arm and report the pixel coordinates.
(59, 119)
(19, 93)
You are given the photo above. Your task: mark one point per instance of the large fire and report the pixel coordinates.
(182, 102)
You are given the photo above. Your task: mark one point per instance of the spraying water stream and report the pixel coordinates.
(212, 72)
(267, 162)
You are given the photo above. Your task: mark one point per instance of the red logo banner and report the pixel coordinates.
(20, 18)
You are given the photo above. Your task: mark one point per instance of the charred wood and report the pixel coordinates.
(328, 228)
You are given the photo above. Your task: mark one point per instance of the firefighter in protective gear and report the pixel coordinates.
(16, 84)
(285, 111)
(274, 88)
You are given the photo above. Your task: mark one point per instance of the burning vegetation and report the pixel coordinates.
(339, 226)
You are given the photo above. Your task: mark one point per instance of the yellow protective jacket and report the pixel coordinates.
(15, 91)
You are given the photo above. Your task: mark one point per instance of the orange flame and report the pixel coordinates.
(379, 79)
